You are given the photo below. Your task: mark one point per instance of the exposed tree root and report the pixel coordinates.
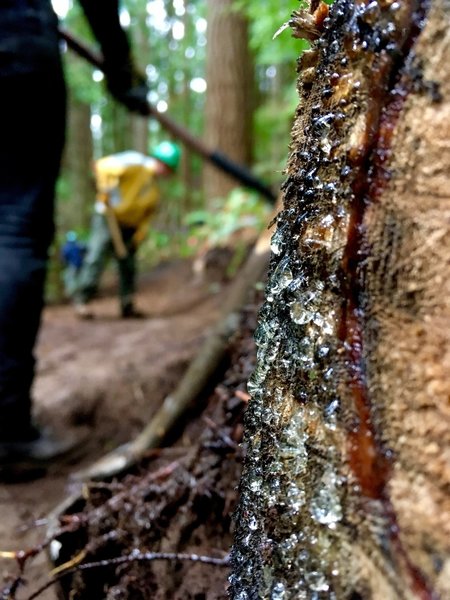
(176, 504)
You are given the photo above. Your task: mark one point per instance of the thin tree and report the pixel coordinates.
(229, 75)
(78, 158)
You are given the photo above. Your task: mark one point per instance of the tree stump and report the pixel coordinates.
(345, 492)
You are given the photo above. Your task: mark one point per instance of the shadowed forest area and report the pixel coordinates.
(270, 421)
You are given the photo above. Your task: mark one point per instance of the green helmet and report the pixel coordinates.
(168, 153)
(71, 236)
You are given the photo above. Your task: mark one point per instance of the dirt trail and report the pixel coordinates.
(106, 376)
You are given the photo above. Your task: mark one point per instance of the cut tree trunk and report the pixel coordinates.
(345, 492)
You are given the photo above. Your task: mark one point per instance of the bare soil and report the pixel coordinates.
(107, 377)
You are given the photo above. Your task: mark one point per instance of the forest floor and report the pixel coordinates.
(106, 377)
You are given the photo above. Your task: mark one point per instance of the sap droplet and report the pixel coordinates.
(255, 484)
(281, 278)
(295, 497)
(326, 505)
(289, 544)
(326, 146)
(323, 351)
(278, 591)
(277, 242)
(316, 581)
(299, 314)
(332, 408)
(302, 556)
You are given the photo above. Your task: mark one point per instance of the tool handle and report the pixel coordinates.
(116, 235)
(241, 174)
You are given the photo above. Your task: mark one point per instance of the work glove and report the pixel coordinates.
(128, 86)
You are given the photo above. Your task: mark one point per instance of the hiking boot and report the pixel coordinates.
(129, 312)
(36, 447)
(82, 311)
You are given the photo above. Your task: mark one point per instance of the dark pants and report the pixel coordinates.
(100, 249)
(32, 123)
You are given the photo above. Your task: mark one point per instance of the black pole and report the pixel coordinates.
(239, 172)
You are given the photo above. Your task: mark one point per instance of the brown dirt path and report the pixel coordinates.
(106, 376)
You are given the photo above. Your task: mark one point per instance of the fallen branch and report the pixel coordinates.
(176, 404)
(135, 556)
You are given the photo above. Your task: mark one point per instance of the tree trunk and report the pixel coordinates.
(139, 139)
(229, 76)
(187, 171)
(345, 492)
(78, 167)
(139, 134)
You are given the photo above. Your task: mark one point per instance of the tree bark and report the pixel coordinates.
(78, 167)
(139, 126)
(345, 492)
(229, 76)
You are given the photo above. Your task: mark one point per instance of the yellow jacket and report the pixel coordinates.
(126, 181)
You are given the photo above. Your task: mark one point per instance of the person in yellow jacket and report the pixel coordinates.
(127, 199)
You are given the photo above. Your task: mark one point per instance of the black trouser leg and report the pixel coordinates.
(32, 109)
(127, 270)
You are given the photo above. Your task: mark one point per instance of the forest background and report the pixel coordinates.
(215, 68)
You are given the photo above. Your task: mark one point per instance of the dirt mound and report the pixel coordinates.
(110, 376)
(176, 508)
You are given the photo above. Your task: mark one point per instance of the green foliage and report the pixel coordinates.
(265, 20)
(273, 120)
(240, 210)
(172, 63)
(276, 59)
(241, 213)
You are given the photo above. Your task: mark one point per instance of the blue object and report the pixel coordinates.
(72, 252)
